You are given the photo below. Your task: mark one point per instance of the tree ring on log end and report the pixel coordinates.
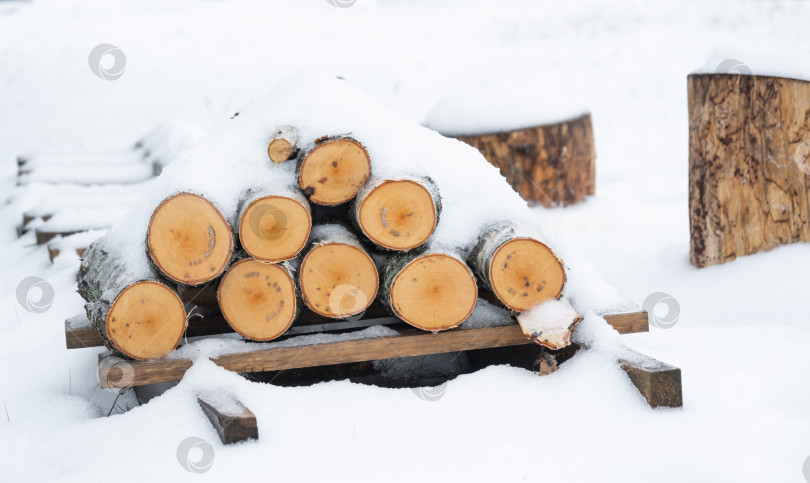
(146, 320)
(279, 150)
(274, 228)
(524, 273)
(398, 215)
(338, 280)
(257, 299)
(333, 171)
(189, 239)
(434, 292)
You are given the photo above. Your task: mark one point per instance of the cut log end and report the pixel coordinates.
(189, 240)
(274, 228)
(333, 171)
(398, 215)
(146, 320)
(524, 273)
(434, 292)
(338, 280)
(279, 150)
(257, 299)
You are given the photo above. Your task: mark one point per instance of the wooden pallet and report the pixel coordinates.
(659, 383)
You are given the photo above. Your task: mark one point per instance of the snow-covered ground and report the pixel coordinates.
(743, 330)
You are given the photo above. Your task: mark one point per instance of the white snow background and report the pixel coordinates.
(743, 330)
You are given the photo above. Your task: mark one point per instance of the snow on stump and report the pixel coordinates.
(749, 165)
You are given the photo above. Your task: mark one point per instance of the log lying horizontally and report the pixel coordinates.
(338, 278)
(397, 214)
(334, 170)
(521, 271)
(274, 224)
(430, 290)
(189, 239)
(135, 312)
(284, 144)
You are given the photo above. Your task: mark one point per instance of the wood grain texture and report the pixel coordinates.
(658, 382)
(232, 427)
(749, 165)
(552, 164)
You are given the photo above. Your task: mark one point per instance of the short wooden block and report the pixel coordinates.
(233, 424)
(658, 382)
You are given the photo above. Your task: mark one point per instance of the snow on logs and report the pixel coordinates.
(332, 171)
(274, 224)
(284, 144)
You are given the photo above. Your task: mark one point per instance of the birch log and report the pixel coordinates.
(333, 170)
(284, 144)
(274, 224)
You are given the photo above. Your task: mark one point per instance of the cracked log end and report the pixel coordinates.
(189, 240)
(333, 171)
(257, 299)
(338, 280)
(146, 320)
(551, 334)
(525, 273)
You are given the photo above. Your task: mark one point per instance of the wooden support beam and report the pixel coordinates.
(658, 382)
(234, 423)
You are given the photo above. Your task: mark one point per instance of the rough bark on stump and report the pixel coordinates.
(749, 165)
(284, 144)
(259, 300)
(428, 289)
(552, 164)
(521, 271)
(333, 170)
(274, 223)
(189, 239)
(397, 214)
(133, 309)
(338, 278)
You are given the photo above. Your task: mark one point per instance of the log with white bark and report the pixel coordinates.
(274, 224)
(333, 170)
(428, 289)
(259, 300)
(134, 310)
(283, 145)
(338, 278)
(397, 214)
(521, 271)
(189, 239)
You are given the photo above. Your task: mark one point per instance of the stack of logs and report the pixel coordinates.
(275, 262)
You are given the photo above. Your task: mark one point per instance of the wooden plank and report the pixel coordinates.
(233, 424)
(658, 382)
(79, 333)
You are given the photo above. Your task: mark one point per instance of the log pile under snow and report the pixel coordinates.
(303, 204)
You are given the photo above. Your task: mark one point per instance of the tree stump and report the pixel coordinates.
(749, 172)
(553, 164)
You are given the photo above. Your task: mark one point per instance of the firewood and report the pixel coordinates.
(189, 240)
(258, 299)
(749, 165)
(428, 289)
(133, 309)
(521, 271)
(334, 170)
(338, 278)
(284, 145)
(397, 214)
(274, 224)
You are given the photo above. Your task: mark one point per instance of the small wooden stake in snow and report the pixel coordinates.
(233, 424)
(429, 290)
(283, 145)
(189, 239)
(258, 299)
(334, 170)
(397, 214)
